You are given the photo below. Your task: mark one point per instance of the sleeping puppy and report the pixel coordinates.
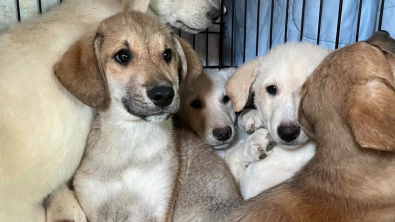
(130, 73)
(276, 80)
(347, 106)
(206, 189)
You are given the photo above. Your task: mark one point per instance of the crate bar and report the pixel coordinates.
(60, 1)
(381, 14)
(339, 20)
(231, 40)
(194, 42)
(257, 28)
(217, 67)
(245, 30)
(207, 47)
(221, 34)
(40, 8)
(271, 26)
(359, 20)
(286, 23)
(302, 23)
(319, 23)
(18, 11)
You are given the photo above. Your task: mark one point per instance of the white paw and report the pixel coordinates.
(250, 120)
(258, 145)
(64, 207)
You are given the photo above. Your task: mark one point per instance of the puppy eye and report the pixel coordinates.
(167, 55)
(196, 104)
(122, 57)
(272, 90)
(225, 99)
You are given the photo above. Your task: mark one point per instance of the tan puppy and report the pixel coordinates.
(128, 69)
(348, 107)
(206, 190)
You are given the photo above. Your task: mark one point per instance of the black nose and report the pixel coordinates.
(214, 14)
(161, 96)
(288, 132)
(222, 134)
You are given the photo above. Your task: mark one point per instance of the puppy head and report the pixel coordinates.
(354, 88)
(276, 80)
(191, 16)
(207, 110)
(130, 63)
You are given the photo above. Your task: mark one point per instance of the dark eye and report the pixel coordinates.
(196, 104)
(167, 55)
(122, 57)
(272, 90)
(225, 99)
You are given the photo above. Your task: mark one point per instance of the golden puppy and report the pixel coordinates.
(348, 106)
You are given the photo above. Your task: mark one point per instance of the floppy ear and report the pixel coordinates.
(238, 86)
(189, 62)
(135, 5)
(80, 71)
(302, 118)
(382, 40)
(370, 114)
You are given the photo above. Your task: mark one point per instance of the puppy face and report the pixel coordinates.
(276, 80)
(354, 87)
(207, 110)
(190, 15)
(132, 64)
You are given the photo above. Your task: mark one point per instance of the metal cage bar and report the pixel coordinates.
(339, 19)
(271, 25)
(381, 14)
(245, 30)
(319, 23)
(302, 23)
(359, 21)
(286, 22)
(257, 28)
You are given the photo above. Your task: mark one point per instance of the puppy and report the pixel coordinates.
(276, 80)
(347, 106)
(206, 189)
(130, 73)
(44, 128)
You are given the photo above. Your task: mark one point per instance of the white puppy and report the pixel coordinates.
(43, 127)
(276, 79)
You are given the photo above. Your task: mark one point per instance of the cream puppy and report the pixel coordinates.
(276, 80)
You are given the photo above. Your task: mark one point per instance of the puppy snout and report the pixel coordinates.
(161, 96)
(222, 134)
(214, 14)
(288, 132)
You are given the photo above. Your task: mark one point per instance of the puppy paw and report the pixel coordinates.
(249, 121)
(64, 207)
(258, 145)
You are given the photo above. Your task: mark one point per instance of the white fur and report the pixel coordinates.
(43, 127)
(286, 66)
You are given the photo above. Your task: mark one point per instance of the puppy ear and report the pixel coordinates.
(383, 41)
(370, 114)
(302, 118)
(135, 5)
(80, 71)
(238, 86)
(189, 63)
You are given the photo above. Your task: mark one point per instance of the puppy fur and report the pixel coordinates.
(206, 189)
(347, 107)
(44, 127)
(285, 68)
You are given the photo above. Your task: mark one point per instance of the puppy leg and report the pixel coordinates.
(62, 206)
(250, 120)
(256, 147)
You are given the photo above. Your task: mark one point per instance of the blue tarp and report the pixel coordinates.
(370, 13)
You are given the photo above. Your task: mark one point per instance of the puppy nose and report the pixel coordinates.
(214, 14)
(288, 132)
(222, 134)
(161, 96)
